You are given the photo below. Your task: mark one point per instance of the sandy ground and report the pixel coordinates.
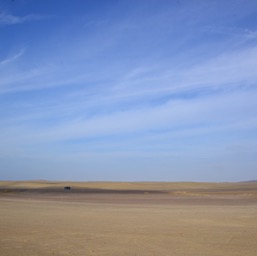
(40, 218)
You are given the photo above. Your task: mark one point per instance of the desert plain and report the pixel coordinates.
(121, 218)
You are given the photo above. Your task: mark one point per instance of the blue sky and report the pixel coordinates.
(128, 90)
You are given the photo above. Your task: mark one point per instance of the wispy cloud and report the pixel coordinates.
(227, 70)
(232, 31)
(160, 81)
(12, 58)
(9, 19)
(180, 117)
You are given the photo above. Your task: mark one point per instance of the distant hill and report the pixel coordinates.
(248, 181)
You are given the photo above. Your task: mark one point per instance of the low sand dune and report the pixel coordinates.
(153, 186)
(93, 218)
(169, 190)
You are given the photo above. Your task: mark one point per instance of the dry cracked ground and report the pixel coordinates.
(214, 219)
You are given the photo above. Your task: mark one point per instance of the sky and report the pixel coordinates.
(128, 90)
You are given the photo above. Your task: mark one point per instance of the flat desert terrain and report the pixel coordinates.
(141, 218)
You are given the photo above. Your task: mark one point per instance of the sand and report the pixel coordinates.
(41, 218)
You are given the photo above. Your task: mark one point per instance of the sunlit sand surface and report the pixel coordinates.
(41, 218)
